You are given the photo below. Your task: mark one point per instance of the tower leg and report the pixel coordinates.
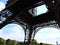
(28, 36)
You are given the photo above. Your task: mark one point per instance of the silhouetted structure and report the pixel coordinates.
(18, 11)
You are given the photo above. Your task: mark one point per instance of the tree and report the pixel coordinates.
(2, 41)
(11, 42)
(18, 43)
(34, 42)
(8, 42)
(21, 43)
(45, 44)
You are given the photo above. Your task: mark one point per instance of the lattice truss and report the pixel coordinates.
(4, 14)
(24, 16)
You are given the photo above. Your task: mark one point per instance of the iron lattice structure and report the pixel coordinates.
(17, 11)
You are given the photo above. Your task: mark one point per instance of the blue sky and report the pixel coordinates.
(48, 34)
(2, 4)
(4, 1)
(15, 32)
(12, 31)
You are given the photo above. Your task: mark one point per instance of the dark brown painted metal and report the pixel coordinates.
(20, 8)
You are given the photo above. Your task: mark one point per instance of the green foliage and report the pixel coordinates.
(45, 44)
(2, 41)
(13, 42)
(18, 43)
(34, 42)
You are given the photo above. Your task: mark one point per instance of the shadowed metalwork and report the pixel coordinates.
(18, 11)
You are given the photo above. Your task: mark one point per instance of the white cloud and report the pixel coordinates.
(15, 33)
(48, 35)
(54, 35)
(2, 6)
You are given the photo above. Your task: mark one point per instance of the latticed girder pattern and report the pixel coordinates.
(4, 15)
(43, 25)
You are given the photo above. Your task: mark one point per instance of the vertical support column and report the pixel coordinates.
(28, 35)
(33, 35)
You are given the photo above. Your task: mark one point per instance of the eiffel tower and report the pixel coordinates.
(18, 11)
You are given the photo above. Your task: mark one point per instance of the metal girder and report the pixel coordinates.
(26, 17)
(47, 24)
(20, 8)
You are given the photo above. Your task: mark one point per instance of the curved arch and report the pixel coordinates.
(53, 24)
(38, 28)
(15, 32)
(48, 35)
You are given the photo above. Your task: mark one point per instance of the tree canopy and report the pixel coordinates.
(14, 42)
